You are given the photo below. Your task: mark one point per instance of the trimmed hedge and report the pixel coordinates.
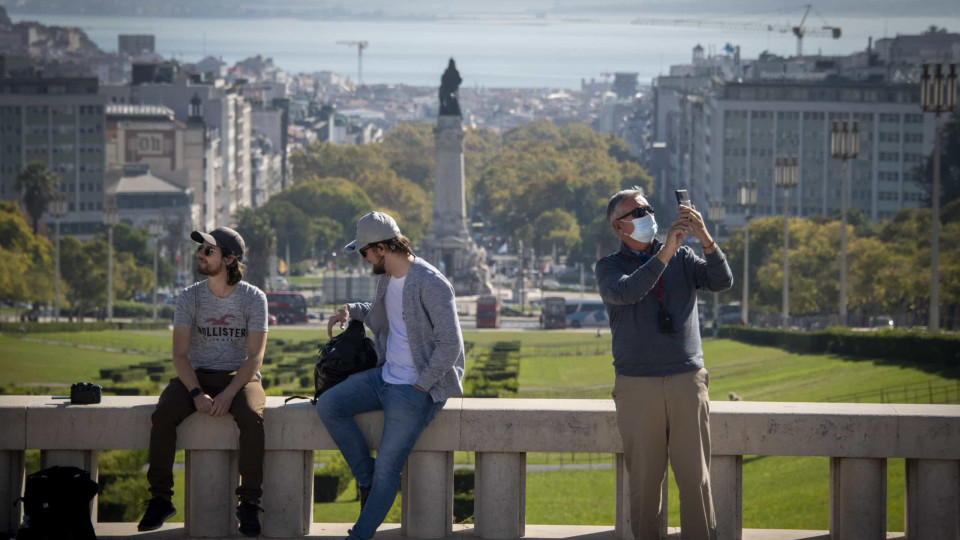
(494, 374)
(899, 345)
(42, 327)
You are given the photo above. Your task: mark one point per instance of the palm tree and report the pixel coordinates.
(38, 184)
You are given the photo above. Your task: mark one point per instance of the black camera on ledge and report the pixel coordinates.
(84, 393)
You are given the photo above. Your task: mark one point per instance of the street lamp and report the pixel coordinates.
(334, 255)
(747, 199)
(110, 219)
(58, 209)
(845, 146)
(156, 230)
(717, 213)
(785, 178)
(938, 94)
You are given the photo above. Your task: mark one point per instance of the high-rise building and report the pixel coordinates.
(746, 126)
(60, 123)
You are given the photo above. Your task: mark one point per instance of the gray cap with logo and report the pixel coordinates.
(373, 227)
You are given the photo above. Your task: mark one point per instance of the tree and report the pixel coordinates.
(136, 243)
(83, 271)
(37, 185)
(260, 240)
(555, 228)
(26, 259)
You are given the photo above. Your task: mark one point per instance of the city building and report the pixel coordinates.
(746, 126)
(133, 45)
(59, 122)
(183, 153)
(223, 108)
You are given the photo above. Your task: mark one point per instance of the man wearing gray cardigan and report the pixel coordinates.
(650, 291)
(421, 364)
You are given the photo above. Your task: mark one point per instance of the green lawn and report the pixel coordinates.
(24, 362)
(755, 373)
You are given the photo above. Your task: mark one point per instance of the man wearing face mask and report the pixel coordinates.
(649, 290)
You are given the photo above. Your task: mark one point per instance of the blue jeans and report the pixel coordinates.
(406, 412)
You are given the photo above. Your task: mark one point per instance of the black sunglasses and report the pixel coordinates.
(363, 251)
(207, 250)
(637, 212)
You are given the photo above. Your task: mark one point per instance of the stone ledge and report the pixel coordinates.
(508, 425)
(391, 531)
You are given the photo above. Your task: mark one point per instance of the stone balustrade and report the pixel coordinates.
(858, 438)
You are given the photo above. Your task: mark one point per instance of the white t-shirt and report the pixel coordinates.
(399, 367)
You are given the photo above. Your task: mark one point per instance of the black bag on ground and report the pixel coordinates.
(349, 352)
(56, 505)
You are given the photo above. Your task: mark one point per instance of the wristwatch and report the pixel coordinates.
(195, 393)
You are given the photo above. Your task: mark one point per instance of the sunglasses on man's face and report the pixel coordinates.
(637, 212)
(207, 250)
(364, 250)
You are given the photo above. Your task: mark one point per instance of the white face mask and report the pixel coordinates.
(644, 229)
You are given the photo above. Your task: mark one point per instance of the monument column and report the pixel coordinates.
(449, 246)
(449, 200)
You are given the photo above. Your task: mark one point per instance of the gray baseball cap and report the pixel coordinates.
(373, 227)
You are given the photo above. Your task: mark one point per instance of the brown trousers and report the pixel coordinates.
(175, 405)
(658, 416)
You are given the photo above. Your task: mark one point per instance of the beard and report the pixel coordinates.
(206, 269)
(379, 268)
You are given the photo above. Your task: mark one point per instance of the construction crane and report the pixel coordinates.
(800, 31)
(360, 45)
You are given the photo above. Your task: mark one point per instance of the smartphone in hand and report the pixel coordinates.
(682, 197)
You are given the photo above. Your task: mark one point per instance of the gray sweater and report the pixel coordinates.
(433, 328)
(628, 286)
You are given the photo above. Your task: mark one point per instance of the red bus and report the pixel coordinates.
(288, 307)
(488, 312)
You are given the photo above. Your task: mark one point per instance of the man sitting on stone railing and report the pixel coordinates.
(219, 336)
(421, 364)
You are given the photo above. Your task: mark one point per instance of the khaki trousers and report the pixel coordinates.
(657, 417)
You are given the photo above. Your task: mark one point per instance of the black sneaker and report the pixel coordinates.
(248, 514)
(364, 494)
(158, 511)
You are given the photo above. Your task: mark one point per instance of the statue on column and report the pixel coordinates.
(449, 90)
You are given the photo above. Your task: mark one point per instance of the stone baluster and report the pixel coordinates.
(726, 486)
(211, 481)
(933, 499)
(13, 418)
(499, 503)
(427, 495)
(287, 493)
(858, 498)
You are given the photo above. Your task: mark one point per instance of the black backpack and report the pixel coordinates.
(347, 353)
(56, 505)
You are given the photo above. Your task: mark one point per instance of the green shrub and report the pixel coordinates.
(331, 481)
(910, 347)
(132, 374)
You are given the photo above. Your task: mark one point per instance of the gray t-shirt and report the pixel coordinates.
(219, 326)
